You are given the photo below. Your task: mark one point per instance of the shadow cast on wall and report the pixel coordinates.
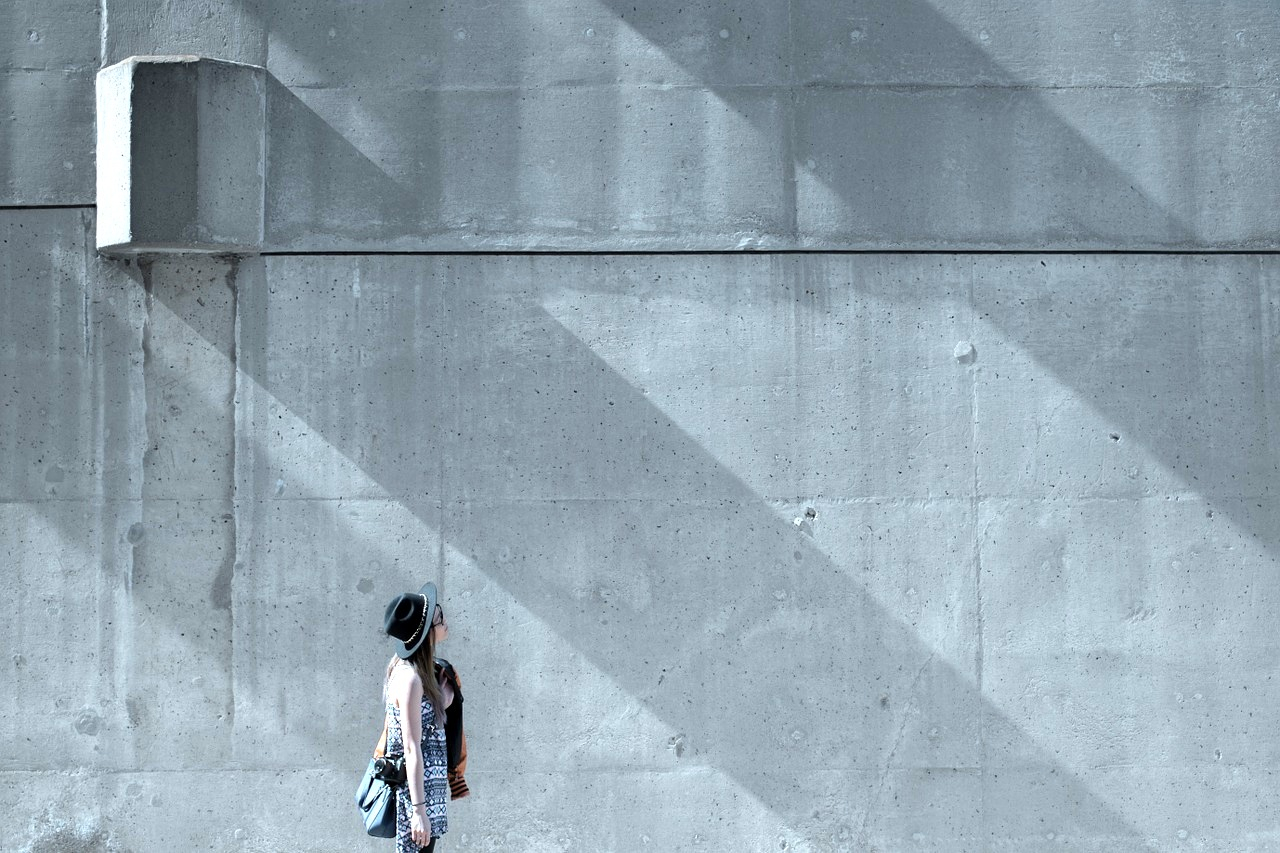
(484, 366)
(904, 133)
(316, 175)
(882, 131)
(598, 483)
(880, 125)
(601, 485)
(665, 502)
(899, 151)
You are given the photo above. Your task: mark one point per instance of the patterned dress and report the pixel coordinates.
(435, 776)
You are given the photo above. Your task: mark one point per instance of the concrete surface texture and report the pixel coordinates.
(599, 124)
(897, 551)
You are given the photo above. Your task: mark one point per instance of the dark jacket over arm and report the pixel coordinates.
(455, 740)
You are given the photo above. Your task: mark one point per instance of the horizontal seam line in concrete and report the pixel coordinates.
(654, 770)
(772, 501)
(85, 68)
(779, 503)
(47, 207)
(1172, 497)
(753, 251)
(815, 85)
(284, 253)
(677, 771)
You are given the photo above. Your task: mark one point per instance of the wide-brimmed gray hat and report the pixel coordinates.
(408, 619)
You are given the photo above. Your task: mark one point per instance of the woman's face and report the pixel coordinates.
(439, 627)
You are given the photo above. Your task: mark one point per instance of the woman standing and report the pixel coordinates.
(424, 720)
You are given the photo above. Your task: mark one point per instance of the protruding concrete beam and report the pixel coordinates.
(181, 153)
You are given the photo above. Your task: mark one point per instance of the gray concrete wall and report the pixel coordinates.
(889, 551)
(606, 125)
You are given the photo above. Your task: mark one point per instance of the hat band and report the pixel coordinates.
(421, 624)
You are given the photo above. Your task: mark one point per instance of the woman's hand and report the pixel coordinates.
(420, 827)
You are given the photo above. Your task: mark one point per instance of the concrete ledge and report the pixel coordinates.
(180, 156)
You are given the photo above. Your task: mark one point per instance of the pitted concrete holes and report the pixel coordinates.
(806, 522)
(87, 722)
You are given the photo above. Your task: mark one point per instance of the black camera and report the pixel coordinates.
(389, 769)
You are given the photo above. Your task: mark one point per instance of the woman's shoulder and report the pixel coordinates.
(403, 675)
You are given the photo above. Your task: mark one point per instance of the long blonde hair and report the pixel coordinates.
(423, 662)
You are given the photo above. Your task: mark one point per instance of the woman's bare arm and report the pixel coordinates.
(407, 693)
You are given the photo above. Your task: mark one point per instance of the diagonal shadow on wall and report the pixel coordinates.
(171, 521)
(607, 520)
(316, 174)
(662, 503)
(757, 539)
(903, 133)
(878, 125)
(897, 124)
(601, 486)
(882, 131)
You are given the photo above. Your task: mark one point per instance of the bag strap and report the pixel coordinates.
(381, 749)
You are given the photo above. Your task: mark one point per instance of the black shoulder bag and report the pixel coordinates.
(376, 795)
